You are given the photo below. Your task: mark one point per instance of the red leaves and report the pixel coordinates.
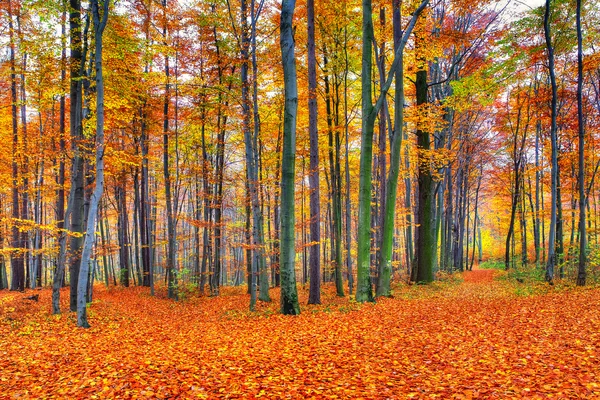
(445, 341)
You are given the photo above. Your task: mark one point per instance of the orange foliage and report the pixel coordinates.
(471, 340)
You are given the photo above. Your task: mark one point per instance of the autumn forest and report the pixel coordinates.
(299, 199)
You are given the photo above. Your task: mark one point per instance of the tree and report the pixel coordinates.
(369, 114)
(76, 212)
(289, 294)
(551, 263)
(400, 40)
(17, 259)
(251, 148)
(581, 273)
(90, 233)
(313, 174)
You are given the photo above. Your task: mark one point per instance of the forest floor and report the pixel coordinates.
(476, 335)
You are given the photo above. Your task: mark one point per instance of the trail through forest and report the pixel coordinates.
(479, 276)
(455, 339)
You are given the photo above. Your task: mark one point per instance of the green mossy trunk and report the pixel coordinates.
(289, 292)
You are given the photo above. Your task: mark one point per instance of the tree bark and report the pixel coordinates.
(82, 284)
(426, 239)
(314, 296)
(551, 262)
(289, 294)
(17, 257)
(581, 273)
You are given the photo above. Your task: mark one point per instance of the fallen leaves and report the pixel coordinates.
(463, 341)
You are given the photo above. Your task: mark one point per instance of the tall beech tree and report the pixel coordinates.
(581, 272)
(76, 213)
(554, 184)
(99, 23)
(289, 293)
(313, 174)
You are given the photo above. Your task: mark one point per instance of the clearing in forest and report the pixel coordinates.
(471, 338)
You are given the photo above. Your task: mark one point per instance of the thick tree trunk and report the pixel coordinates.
(289, 294)
(426, 245)
(77, 67)
(363, 288)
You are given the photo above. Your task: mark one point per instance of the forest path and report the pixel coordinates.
(479, 276)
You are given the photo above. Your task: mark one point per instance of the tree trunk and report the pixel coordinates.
(289, 294)
(82, 284)
(170, 254)
(551, 262)
(314, 296)
(123, 232)
(581, 273)
(347, 170)
(426, 246)
(17, 257)
(258, 256)
(363, 288)
(385, 263)
(77, 172)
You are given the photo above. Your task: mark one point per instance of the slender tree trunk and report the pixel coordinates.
(536, 233)
(60, 179)
(17, 258)
(551, 262)
(276, 212)
(82, 284)
(123, 232)
(523, 213)
(314, 296)
(262, 262)
(25, 236)
(170, 253)
(258, 257)
(289, 294)
(347, 170)
(581, 273)
(103, 244)
(476, 216)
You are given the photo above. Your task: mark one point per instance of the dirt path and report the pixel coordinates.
(479, 276)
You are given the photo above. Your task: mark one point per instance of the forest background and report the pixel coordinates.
(165, 144)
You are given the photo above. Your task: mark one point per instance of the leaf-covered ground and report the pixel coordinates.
(480, 338)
